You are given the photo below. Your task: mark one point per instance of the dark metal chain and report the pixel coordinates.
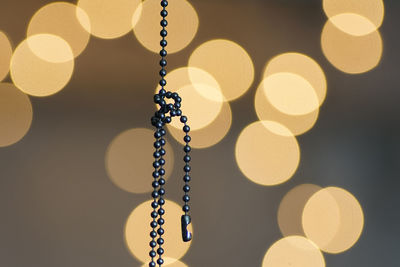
(162, 117)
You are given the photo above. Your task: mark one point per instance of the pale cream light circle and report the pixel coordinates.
(108, 19)
(129, 162)
(183, 23)
(353, 24)
(293, 251)
(302, 65)
(348, 53)
(290, 93)
(36, 76)
(209, 136)
(333, 219)
(137, 231)
(51, 48)
(228, 63)
(5, 55)
(267, 153)
(15, 114)
(61, 19)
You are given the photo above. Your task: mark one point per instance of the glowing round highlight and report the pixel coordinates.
(5, 55)
(51, 48)
(127, 163)
(108, 19)
(38, 77)
(61, 19)
(353, 24)
(137, 237)
(267, 153)
(183, 23)
(333, 219)
(228, 63)
(348, 53)
(293, 251)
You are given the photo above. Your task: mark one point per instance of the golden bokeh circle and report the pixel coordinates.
(60, 19)
(348, 53)
(291, 209)
(228, 63)
(35, 76)
(333, 219)
(137, 237)
(50, 48)
(129, 162)
(170, 263)
(5, 55)
(293, 251)
(353, 24)
(108, 19)
(183, 23)
(267, 153)
(15, 114)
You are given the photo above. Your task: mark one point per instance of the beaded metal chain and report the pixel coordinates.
(162, 117)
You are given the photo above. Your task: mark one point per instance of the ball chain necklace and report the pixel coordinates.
(162, 117)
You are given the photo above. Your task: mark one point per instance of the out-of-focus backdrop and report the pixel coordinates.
(294, 113)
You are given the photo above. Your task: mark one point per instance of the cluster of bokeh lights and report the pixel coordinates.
(287, 100)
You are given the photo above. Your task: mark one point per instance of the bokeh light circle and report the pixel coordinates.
(333, 219)
(228, 63)
(129, 160)
(50, 48)
(61, 19)
(170, 263)
(108, 19)
(183, 23)
(15, 114)
(267, 153)
(36, 76)
(137, 237)
(348, 53)
(293, 251)
(5, 55)
(353, 24)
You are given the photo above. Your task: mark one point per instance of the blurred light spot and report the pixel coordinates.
(333, 219)
(129, 160)
(194, 102)
(36, 76)
(348, 53)
(5, 55)
(15, 114)
(108, 19)
(51, 48)
(211, 134)
(183, 23)
(293, 251)
(267, 153)
(372, 10)
(296, 124)
(290, 93)
(302, 65)
(137, 231)
(170, 263)
(60, 19)
(228, 63)
(291, 209)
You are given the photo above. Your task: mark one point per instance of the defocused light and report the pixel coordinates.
(348, 53)
(293, 251)
(296, 124)
(129, 160)
(36, 76)
(170, 263)
(333, 219)
(51, 48)
(302, 65)
(108, 19)
(290, 93)
(211, 134)
(183, 23)
(201, 110)
(267, 153)
(60, 19)
(15, 114)
(137, 231)
(371, 13)
(5, 55)
(228, 63)
(291, 209)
